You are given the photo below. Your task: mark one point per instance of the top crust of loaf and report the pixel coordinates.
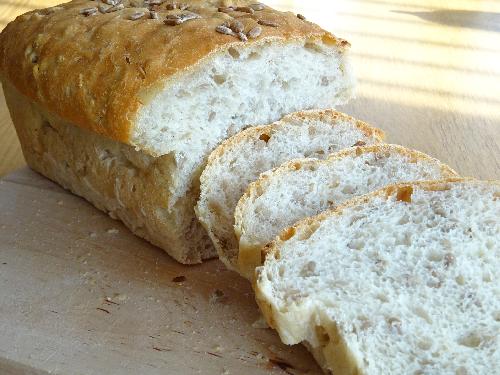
(97, 71)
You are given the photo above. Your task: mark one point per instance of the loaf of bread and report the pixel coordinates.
(122, 101)
(306, 187)
(242, 158)
(401, 281)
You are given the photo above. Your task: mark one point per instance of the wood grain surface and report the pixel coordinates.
(81, 295)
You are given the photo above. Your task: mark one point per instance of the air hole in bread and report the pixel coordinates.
(211, 116)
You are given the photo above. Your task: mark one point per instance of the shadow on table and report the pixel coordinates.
(487, 21)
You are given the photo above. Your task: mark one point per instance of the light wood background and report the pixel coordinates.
(428, 72)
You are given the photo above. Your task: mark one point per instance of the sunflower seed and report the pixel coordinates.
(115, 8)
(242, 37)
(245, 10)
(224, 30)
(171, 6)
(103, 8)
(135, 16)
(255, 32)
(88, 11)
(225, 9)
(183, 6)
(257, 6)
(301, 17)
(237, 26)
(154, 2)
(111, 2)
(153, 15)
(267, 23)
(177, 19)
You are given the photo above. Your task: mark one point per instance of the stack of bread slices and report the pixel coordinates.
(380, 259)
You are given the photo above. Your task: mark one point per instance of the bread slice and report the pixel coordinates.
(123, 108)
(306, 187)
(400, 281)
(240, 159)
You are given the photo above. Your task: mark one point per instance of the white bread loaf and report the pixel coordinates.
(240, 160)
(400, 281)
(156, 82)
(306, 187)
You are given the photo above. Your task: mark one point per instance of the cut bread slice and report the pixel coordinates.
(306, 187)
(240, 160)
(400, 281)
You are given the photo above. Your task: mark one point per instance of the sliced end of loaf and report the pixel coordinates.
(240, 159)
(352, 285)
(305, 187)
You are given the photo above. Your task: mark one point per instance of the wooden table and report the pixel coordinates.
(80, 295)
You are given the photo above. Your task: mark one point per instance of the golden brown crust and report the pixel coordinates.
(94, 70)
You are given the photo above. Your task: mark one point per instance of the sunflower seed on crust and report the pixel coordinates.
(111, 2)
(225, 9)
(301, 17)
(103, 8)
(222, 29)
(171, 6)
(115, 8)
(237, 26)
(153, 15)
(135, 16)
(183, 6)
(88, 11)
(155, 2)
(242, 36)
(245, 10)
(255, 32)
(267, 23)
(257, 6)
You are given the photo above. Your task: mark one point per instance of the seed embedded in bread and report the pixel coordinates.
(177, 19)
(153, 15)
(137, 15)
(301, 17)
(245, 10)
(88, 11)
(223, 29)
(237, 26)
(255, 32)
(257, 6)
(111, 2)
(103, 8)
(267, 23)
(242, 37)
(225, 9)
(115, 8)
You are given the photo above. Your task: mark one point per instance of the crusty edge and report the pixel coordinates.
(255, 188)
(328, 115)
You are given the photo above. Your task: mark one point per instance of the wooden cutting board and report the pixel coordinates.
(79, 294)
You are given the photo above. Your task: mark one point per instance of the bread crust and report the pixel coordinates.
(97, 71)
(248, 256)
